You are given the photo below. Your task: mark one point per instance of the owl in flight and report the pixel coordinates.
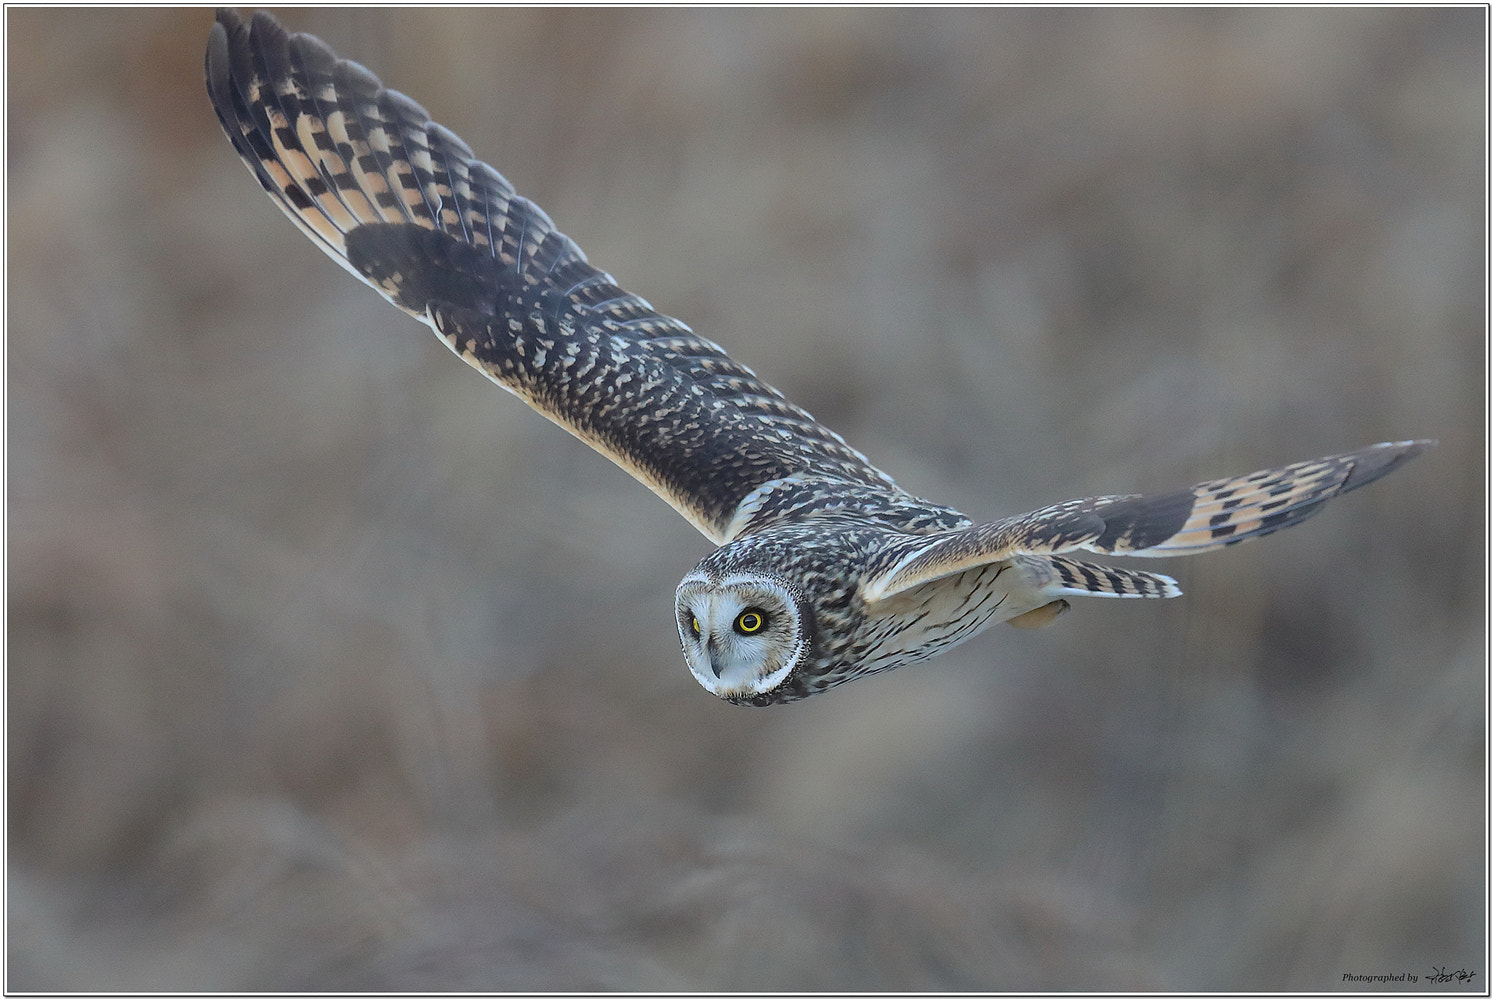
(825, 569)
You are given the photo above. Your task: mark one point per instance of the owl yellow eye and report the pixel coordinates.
(750, 620)
(694, 624)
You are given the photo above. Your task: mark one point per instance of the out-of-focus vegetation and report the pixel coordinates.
(333, 667)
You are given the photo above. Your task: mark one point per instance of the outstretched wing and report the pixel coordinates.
(402, 203)
(1207, 516)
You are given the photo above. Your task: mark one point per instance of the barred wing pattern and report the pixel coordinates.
(1207, 516)
(401, 202)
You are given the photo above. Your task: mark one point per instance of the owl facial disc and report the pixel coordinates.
(742, 634)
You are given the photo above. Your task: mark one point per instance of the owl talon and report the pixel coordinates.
(1040, 617)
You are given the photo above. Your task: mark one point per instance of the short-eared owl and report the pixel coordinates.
(825, 569)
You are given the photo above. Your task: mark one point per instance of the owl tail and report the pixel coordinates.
(1084, 579)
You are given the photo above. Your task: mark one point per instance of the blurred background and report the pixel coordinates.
(333, 667)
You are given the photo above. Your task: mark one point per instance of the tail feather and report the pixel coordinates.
(1085, 579)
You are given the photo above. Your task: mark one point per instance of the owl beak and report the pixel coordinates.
(715, 661)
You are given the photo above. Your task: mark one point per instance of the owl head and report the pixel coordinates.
(743, 632)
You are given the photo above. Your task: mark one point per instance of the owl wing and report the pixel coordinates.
(1207, 516)
(401, 202)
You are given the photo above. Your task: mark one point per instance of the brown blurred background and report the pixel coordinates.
(333, 667)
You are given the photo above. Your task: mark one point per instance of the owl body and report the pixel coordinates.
(826, 570)
(794, 576)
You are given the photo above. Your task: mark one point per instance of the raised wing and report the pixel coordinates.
(402, 203)
(1207, 516)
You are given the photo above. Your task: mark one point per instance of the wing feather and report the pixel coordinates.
(401, 202)
(1207, 516)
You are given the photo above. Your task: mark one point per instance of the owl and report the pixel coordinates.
(825, 569)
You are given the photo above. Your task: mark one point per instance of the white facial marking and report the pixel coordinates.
(740, 635)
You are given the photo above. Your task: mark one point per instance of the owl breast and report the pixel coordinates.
(924, 621)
